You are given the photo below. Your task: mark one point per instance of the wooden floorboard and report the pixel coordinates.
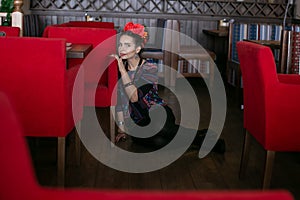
(212, 172)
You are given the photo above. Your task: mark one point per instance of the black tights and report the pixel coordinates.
(166, 134)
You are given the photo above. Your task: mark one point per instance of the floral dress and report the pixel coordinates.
(145, 79)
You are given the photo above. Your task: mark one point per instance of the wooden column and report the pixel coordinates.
(17, 15)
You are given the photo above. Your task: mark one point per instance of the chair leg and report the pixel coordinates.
(270, 156)
(245, 154)
(211, 74)
(78, 143)
(112, 125)
(61, 152)
(167, 75)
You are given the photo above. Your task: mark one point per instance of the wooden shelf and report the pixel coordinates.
(191, 75)
(217, 32)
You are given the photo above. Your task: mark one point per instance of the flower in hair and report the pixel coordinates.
(136, 29)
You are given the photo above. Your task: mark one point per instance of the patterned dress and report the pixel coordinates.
(145, 79)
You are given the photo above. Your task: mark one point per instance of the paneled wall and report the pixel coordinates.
(194, 15)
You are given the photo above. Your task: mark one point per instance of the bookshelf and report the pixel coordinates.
(218, 43)
(193, 62)
(259, 32)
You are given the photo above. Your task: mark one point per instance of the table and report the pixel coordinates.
(78, 50)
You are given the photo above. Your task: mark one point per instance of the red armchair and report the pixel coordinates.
(271, 111)
(98, 93)
(33, 74)
(18, 180)
(9, 31)
(89, 24)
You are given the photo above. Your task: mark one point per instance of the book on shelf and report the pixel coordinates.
(194, 66)
(295, 53)
(239, 33)
(296, 28)
(276, 32)
(253, 31)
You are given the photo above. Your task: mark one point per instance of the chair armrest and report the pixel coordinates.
(284, 100)
(289, 78)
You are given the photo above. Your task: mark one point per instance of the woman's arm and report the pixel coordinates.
(121, 127)
(120, 122)
(129, 87)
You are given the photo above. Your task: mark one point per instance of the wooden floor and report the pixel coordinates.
(214, 172)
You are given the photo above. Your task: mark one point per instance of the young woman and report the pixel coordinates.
(138, 93)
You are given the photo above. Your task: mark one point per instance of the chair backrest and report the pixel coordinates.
(259, 76)
(82, 35)
(9, 31)
(33, 73)
(87, 24)
(17, 175)
(85, 35)
(91, 24)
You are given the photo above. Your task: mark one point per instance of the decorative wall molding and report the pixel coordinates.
(161, 8)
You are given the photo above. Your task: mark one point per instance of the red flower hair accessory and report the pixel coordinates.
(138, 29)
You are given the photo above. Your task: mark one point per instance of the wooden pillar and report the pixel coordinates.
(17, 15)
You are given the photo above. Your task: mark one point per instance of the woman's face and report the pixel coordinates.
(127, 48)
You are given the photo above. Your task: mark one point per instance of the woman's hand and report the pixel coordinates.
(120, 63)
(130, 89)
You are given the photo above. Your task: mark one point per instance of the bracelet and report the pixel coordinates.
(127, 84)
(120, 123)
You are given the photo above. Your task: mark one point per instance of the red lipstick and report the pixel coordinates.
(124, 54)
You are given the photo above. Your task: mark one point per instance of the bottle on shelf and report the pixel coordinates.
(86, 16)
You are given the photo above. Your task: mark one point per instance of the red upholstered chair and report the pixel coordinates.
(97, 60)
(9, 31)
(33, 74)
(81, 35)
(271, 111)
(91, 24)
(18, 180)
